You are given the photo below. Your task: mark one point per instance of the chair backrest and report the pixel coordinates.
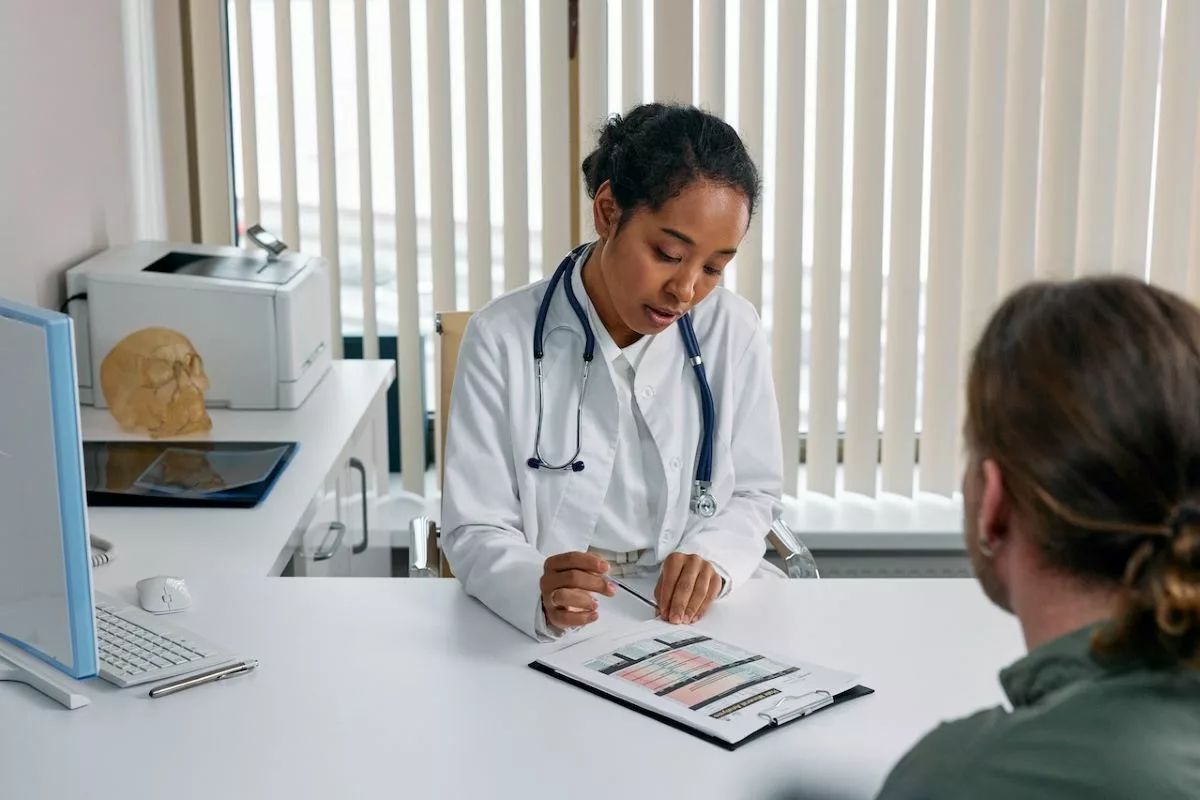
(450, 326)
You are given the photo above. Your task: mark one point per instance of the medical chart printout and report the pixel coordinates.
(718, 688)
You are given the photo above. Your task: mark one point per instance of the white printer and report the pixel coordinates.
(260, 321)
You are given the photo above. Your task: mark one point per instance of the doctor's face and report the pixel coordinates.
(657, 265)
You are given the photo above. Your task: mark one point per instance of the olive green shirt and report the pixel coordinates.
(1081, 726)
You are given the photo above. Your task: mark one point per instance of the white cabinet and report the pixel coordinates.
(323, 550)
(296, 529)
(338, 539)
(366, 482)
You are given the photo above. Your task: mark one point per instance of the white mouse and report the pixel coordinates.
(164, 595)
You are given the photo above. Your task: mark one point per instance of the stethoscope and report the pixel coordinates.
(702, 502)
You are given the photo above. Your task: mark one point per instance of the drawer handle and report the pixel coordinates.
(362, 476)
(326, 550)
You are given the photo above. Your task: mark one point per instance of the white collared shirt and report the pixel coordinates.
(631, 517)
(632, 513)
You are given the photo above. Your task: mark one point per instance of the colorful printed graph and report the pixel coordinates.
(668, 669)
(698, 693)
(693, 671)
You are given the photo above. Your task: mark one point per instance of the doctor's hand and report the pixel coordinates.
(568, 582)
(686, 588)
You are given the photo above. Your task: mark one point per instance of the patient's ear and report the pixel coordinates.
(995, 506)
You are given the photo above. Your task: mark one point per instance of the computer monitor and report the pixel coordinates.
(46, 605)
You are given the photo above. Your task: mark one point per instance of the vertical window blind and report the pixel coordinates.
(921, 158)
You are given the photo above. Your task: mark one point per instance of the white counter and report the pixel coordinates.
(886, 523)
(242, 542)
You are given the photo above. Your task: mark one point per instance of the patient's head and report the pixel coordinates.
(1083, 440)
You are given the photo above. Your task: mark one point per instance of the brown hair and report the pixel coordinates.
(1087, 396)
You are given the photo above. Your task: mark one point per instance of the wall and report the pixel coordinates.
(65, 188)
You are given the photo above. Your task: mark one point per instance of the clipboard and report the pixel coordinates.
(784, 712)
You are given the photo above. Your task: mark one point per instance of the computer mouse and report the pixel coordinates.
(164, 595)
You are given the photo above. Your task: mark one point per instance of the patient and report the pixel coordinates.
(1082, 497)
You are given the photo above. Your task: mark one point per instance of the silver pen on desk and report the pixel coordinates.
(201, 678)
(621, 585)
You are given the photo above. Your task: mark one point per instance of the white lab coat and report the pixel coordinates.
(501, 519)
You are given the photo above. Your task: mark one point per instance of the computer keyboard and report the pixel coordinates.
(137, 647)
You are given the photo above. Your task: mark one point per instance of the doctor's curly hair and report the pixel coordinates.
(654, 152)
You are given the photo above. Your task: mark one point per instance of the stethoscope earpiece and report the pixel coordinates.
(534, 463)
(577, 466)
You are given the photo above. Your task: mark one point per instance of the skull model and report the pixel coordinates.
(154, 381)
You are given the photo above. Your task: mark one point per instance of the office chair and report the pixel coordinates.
(425, 559)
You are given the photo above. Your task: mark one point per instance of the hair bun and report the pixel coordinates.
(613, 133)
(1160, 613)
(653, 152)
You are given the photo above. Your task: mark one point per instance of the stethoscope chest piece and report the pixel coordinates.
(703, 503)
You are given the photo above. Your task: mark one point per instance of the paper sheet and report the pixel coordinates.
(683, 673)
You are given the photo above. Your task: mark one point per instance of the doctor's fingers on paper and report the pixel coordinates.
(687, 586)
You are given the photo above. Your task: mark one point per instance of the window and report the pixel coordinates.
(976, 169)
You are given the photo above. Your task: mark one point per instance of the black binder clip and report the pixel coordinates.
(823, 699)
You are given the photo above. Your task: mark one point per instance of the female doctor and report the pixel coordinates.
(620, 416)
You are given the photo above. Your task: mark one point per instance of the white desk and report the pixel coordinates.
(355, 698)
(355, 694)
(250, 542)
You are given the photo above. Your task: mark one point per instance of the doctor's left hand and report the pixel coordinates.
(686, 588)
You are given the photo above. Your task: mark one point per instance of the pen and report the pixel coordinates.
(208, 676)
(620, 585)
